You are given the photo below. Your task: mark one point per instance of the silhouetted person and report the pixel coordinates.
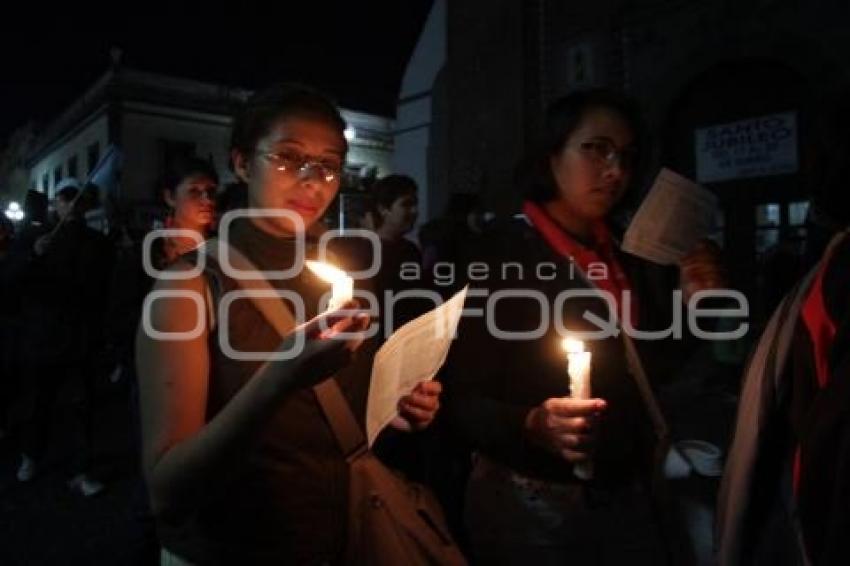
(62, 276)
(443, 237)
(785, 497)
(397, 207)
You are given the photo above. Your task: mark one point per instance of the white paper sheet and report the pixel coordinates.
(674, 217)
(414, 353)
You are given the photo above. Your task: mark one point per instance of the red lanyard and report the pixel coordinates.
(612, 279)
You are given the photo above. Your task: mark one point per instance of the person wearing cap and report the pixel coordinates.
(61, 272)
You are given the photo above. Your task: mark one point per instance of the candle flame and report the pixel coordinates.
(326, 271)
(572, 346)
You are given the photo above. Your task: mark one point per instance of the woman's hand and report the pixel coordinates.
(701, 270)
(184, 451)
(564, 426)
(417, 410)
(327, 343)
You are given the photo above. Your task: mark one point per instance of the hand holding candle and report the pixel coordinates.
(578, 369)
(564, 425)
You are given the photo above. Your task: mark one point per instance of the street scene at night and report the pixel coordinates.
(426, 282)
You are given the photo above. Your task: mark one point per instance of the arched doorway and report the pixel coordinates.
(738, 128)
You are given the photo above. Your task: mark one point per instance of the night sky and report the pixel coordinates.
(356, 51)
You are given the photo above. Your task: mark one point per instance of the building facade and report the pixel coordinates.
(123, 130)
(731, 92)
(417, 141)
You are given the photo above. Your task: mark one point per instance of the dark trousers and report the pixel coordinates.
(52, 388)
(512, 519)
(8, 369)
(147, 545)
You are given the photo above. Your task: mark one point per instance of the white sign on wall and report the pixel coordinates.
(755, 147)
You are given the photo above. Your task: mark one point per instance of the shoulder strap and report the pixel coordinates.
(638, 373)
(348, 433)
(213, 286)
(271, 307)
(636, 370)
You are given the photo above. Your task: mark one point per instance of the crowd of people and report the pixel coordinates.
(239, 460)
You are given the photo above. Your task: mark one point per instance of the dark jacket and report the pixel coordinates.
(62, 292)
(493, 383)
(784, 413)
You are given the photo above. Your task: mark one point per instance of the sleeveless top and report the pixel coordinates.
(288, 503)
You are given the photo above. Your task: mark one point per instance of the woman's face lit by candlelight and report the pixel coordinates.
(193, 201)
(296, 166)
(592, 169)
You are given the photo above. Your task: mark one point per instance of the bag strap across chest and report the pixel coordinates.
(348, 433)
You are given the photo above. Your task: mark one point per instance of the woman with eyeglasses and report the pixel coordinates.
(507, 389)
(240, 462)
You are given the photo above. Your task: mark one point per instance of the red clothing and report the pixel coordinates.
(616, 282)
(820, 415)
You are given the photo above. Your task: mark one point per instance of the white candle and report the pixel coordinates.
(578, 370)
(342, 286)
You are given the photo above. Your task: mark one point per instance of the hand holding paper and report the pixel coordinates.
(674, 218)
(701, 270)
(417, 410)
(412, 355)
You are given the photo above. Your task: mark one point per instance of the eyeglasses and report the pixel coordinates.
(605, 153)
(198, 193)
(302, 165)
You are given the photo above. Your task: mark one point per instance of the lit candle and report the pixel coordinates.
(342, 286)
(578, 370)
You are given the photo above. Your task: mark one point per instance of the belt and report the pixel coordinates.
(594, 494)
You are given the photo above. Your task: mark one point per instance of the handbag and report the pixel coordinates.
(391, 521)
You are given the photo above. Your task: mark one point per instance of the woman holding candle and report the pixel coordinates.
(240, 462)
(530, 498)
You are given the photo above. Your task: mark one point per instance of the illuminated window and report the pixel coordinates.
(797, 212)
(781, 224)
(768, 215)
(768, 221)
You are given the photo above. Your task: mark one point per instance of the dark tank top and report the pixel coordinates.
(288, 502)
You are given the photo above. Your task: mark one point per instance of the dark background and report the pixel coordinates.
(356, 51)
